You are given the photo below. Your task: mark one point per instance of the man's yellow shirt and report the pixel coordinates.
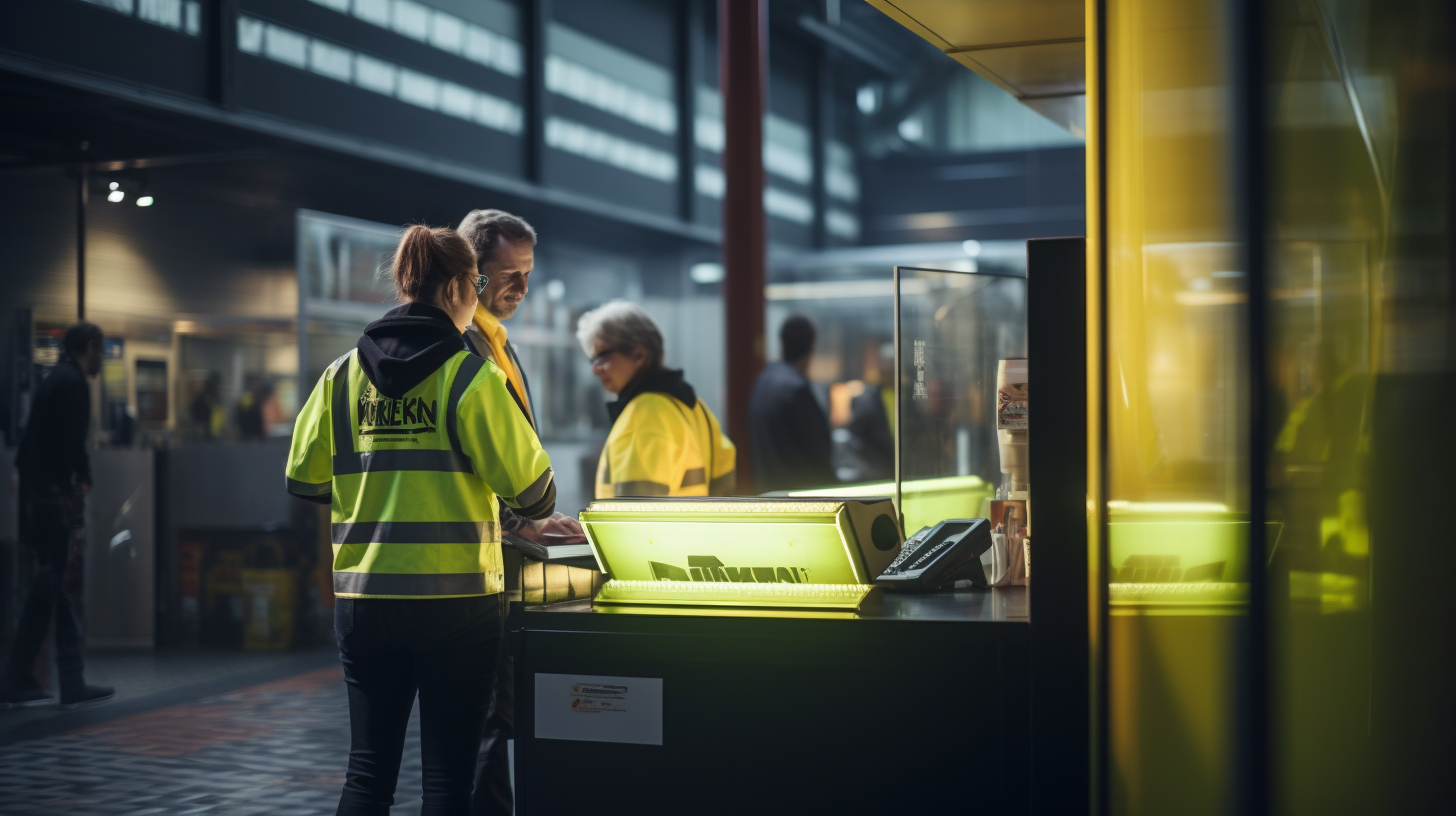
(495, 336)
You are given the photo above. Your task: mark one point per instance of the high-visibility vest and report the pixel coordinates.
(414, 481)
(660, 447)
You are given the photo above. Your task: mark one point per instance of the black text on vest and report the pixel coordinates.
(380, 414)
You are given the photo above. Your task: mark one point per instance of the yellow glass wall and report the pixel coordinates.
(1358, 154)
(1360, 318)
(1175, 396)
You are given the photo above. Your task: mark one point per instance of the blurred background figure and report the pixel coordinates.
(664, 441)
(258, 411)
(206, 411)
(872, 423)
(790, 431)
(55, 476)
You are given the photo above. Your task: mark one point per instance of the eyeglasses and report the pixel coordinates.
(480, 282)
(601, 359)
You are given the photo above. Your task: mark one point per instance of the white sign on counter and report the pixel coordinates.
(599, 709)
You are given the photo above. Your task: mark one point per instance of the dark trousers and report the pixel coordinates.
(445, 650)
(46, 520)
(493, 796)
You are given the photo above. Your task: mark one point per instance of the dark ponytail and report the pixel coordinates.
(428, 258)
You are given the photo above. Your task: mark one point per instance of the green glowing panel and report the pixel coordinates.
(779, 552)
(807, 597)
(927, 501)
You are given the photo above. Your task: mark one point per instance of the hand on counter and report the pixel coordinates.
(557, 528)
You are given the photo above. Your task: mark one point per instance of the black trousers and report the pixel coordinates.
(444, 650)
(46, 520)
(493, 793)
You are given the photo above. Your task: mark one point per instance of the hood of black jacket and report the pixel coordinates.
(407, 345)
(667, 381)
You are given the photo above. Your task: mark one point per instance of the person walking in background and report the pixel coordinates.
(664, 441)
(505, 254)
(787, 427)
(55, 476)
(411, 438)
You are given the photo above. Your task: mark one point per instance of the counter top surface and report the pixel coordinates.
(1004, 605)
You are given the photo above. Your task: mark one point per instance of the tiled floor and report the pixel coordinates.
(153, 677)
(276, 748)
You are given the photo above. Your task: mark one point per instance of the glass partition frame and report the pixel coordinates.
(1015, 347)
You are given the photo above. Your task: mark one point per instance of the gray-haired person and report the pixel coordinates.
(664, 441)
(55, 476)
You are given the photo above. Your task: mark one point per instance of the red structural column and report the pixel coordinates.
(742, 73)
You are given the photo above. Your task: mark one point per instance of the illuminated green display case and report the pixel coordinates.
(741, 553)
(927, 501)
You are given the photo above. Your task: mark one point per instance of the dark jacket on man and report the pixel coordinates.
(789, 432)
(53, 449)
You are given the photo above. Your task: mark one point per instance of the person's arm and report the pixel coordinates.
(503, 448)
(310, 469)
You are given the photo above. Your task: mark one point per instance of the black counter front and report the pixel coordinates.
(922, 702)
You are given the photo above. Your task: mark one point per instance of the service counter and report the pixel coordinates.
(919, 701)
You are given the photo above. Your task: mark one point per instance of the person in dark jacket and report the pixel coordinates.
(55, 476)
(789, 431)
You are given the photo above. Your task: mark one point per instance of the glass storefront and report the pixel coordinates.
(1354, 290)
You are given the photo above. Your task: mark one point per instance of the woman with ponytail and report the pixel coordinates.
(410, 439)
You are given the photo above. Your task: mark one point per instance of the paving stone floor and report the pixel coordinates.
(279, 748)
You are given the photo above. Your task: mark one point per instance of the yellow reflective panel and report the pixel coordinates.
(1175, 397)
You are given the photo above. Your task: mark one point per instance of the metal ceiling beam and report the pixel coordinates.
(836, 36)
(117, 164)
(366, 149)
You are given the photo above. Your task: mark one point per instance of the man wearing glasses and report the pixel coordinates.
(505, 251)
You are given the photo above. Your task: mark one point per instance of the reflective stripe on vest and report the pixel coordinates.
(409, 584)
(416, 532)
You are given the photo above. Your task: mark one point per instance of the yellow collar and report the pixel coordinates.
(489, 325)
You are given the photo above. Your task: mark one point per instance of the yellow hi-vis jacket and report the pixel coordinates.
(660, 447)
(414, 481)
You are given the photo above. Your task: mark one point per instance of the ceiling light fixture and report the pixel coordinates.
(145, 197)
(706, 273)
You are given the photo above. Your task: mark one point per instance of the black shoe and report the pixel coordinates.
(85, 695)
(27, 694)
